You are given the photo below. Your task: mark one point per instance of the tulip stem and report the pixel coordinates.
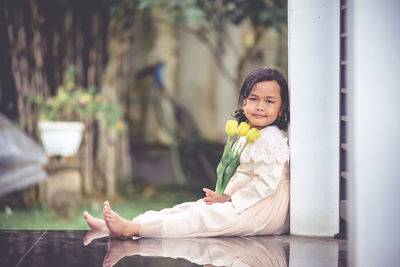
(229, 139)
(234, 146)
(241, 151)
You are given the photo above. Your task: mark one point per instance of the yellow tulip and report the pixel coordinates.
(243, 129)
(252, 135)
(231, 127)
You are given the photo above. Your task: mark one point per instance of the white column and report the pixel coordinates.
(314, 130)
(374, 136)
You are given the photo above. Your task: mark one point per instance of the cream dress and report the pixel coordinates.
(259, 192)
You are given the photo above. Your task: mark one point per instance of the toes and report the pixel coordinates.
(107, 216)
(87, 215)
(107, 207)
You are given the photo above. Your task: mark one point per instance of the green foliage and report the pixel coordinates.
(208, 13)
(179, 11)
(123, 12)
(72, 103)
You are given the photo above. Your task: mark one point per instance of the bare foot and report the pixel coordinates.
(95, 224)
(116, 225)
(98, 228)
(117, 249)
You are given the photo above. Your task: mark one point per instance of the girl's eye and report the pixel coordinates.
(252, 99)
(270, 102)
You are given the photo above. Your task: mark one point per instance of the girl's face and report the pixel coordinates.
(263, 104)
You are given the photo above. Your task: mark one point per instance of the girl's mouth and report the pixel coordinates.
(258, 116)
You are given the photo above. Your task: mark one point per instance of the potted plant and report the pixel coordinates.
(62, 117)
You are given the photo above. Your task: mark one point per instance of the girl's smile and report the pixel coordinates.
(263, 104)
(258, 116)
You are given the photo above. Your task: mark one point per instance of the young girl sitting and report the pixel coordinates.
(256, 199)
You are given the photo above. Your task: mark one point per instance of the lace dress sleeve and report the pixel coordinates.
(271, 146)
(268, 155)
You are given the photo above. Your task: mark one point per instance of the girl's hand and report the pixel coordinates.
(212, 197)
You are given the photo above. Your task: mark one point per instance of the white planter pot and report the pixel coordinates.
(61, 138)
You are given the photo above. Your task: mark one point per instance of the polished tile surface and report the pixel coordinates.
(82, 248)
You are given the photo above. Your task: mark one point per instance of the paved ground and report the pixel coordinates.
(80, 248)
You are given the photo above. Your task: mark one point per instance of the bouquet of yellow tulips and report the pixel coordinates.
(231, 158)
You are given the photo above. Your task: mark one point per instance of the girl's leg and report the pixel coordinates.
(118, 226)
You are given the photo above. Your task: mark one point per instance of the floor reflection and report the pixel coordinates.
(216, 251)
(82, 248)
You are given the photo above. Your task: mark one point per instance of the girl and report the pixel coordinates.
(256, 200)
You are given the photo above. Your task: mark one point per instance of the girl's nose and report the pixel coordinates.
(260, 107)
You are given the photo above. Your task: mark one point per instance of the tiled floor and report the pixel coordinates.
(67, 248)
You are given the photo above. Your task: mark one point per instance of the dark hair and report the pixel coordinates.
(261, 75)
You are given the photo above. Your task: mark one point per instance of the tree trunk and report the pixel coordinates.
(94, 70)
(27, 49)
(113, 147)
(88, 159)
(111, 170)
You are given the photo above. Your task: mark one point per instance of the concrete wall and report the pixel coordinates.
(374, 108)
(314, 130)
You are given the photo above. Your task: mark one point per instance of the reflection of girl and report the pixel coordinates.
(256, 200)
(217, 251)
